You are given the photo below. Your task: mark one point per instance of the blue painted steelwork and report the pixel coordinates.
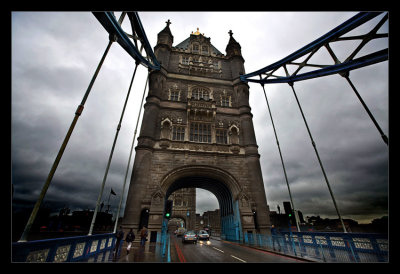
(325, 246)
(110, 23)
(70, 249)
(364, 61)
(332, 36)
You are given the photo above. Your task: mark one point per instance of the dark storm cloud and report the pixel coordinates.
(54, 56)
(49, 79)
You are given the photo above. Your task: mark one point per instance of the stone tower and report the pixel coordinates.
(197, 132)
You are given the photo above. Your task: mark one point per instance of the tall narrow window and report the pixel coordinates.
(178, 133)
(196, 48)
(174, 95)
(224, 101)
(200, 132)
(221, 136)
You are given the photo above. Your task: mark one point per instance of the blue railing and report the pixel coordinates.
(71, 249)
(325, 246)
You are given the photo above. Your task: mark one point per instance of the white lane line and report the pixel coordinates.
(218, 249)
(238, 258)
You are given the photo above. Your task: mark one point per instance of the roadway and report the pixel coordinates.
(218, 251)
(212, 251)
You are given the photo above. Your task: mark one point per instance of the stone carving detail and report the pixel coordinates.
(156, 198)
(172, 117)
(244, 201)
(248, 219)
(234, 135)
(166, 126)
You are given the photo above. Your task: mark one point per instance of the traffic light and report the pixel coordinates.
(168, 209)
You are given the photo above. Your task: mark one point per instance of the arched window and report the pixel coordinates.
(200, 93)
(166, 129)
(234, 135)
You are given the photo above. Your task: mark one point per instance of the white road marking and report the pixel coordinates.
(238, 258)
(218, 249)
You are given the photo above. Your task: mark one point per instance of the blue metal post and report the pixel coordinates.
(169, 249)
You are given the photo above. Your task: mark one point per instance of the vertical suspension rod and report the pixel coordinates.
(111, 154)
(384, 137)
(53, 169)
(319, 160)
(280, 154)
(130, 155)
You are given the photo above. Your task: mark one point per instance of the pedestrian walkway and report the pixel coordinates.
(150, 252)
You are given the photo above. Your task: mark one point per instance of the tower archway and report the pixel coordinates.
(220, 183)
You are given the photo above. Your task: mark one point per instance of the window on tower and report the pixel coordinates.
(221, 136)
(174, 95)
(200, 93)
(200, 132)
(178, 133)
(225, 101)
(196, 48)
(185, 60)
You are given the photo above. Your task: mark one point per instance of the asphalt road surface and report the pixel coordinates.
(222, 252)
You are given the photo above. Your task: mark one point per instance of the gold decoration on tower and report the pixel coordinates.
(197, 32)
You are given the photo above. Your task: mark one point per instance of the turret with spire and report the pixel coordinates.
(164, 44)
(165, 36)
(234, 54)
(233, 48)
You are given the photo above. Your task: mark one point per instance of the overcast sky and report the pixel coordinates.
(54, 56)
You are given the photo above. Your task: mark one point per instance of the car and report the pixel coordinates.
(203, 235)
(189, 236)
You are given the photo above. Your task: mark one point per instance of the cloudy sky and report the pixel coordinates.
(54, 55)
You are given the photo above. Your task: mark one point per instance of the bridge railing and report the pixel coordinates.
(71, 249)
(325, 246)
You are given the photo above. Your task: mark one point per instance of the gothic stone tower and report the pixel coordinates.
(197, 132)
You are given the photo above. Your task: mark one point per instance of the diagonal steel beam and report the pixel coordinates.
(109, 22)
(366, 60)
(331, 36)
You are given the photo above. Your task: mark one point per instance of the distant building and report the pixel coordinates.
(184, 206)
(212, 221)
